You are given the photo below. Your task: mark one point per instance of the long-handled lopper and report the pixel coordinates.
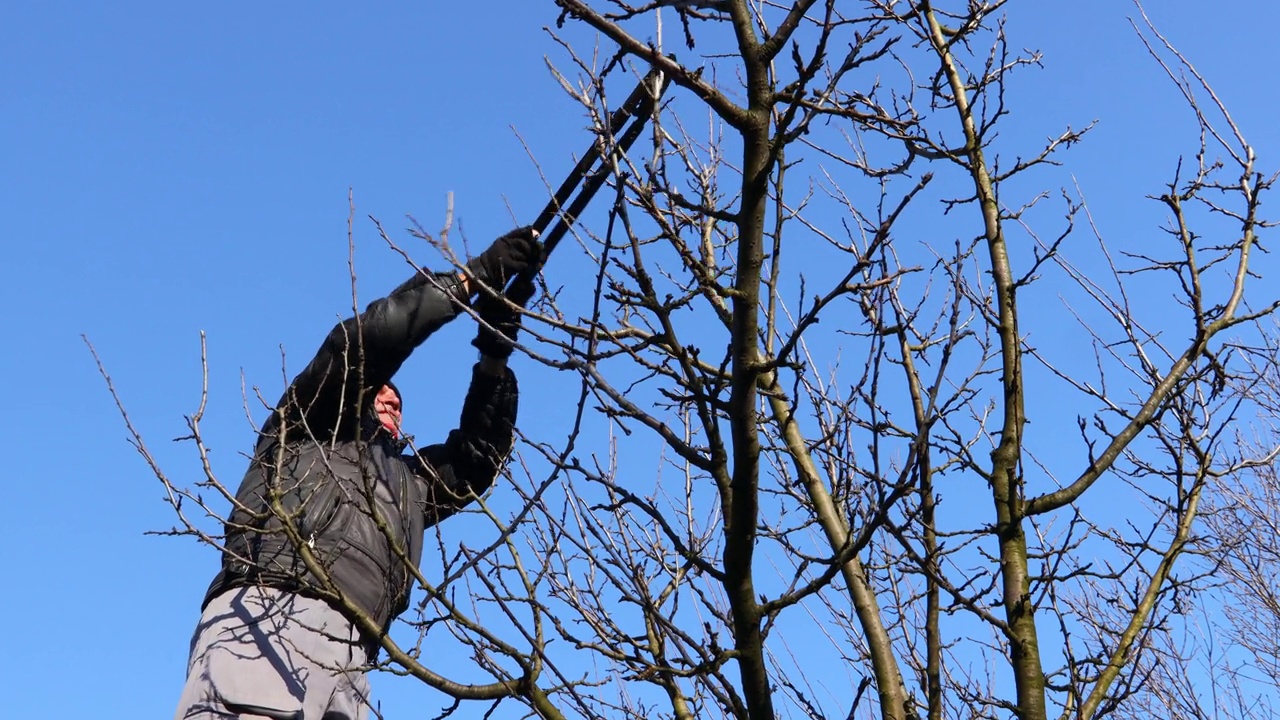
(625, 125)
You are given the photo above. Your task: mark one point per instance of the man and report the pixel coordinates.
(330, 515)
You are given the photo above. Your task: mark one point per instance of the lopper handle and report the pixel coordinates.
(636, 110)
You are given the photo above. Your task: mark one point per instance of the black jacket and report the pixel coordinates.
(324, 459)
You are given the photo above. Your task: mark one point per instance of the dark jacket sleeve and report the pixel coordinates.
(466, 464)
(361, 354)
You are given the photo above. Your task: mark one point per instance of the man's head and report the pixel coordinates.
(387, 404)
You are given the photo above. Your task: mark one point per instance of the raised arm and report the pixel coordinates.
(467, 462)
(362, 353)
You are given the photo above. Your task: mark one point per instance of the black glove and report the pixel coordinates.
(502, 317)
(512, 254)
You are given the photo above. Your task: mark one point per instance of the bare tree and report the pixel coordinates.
(1218, 656)
(828, 301)
(849, 173)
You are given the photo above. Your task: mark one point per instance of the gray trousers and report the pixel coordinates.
(264, 654)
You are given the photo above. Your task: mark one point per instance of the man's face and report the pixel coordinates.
(387, 404)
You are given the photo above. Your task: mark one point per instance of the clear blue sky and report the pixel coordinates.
(168, 168)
